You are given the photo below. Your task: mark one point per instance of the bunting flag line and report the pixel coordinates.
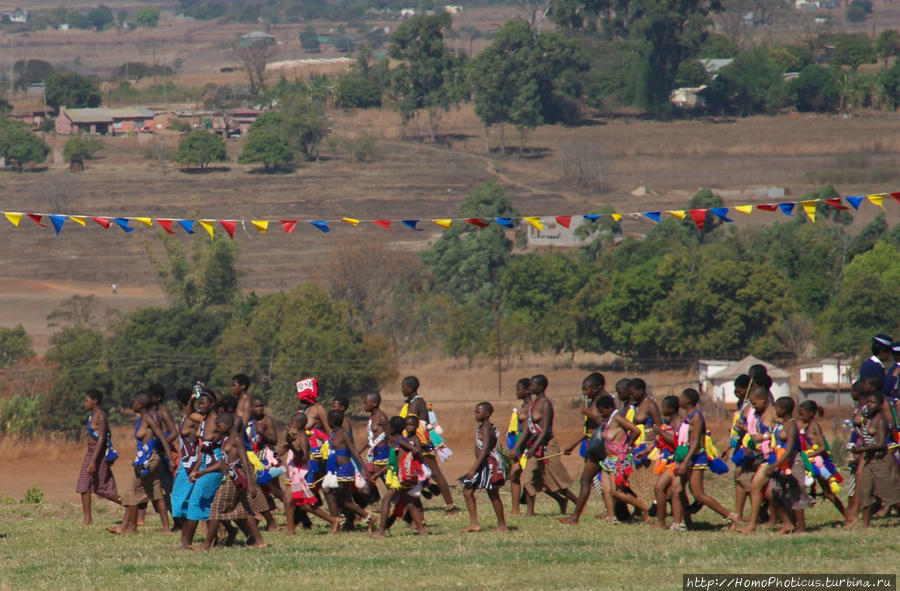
(697, 216)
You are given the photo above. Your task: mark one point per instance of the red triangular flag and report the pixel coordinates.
(102, 221)
(37, 219)
(767, 207)
(229, 226)
(477, 222)
(386, 224)
(288, 226)
(699, 217)
(564, 220)
(166, 225)
(835, 202)
(896, 197)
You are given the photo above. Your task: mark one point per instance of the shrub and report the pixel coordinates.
(34, 495)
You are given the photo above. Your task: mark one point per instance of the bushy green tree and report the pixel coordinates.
(355, 91)
(19, 146)
(301, 122)
(752, 84)
(79, 352)
(68, 89)
(853, 49)
(887, 45)
(815, 89)
(15, 344)
(199, 148)
(866, 302)
(148, 16)
(100, 17)
(309, 40)
(81, 147)
(267, 147)
(467, 262)
(429, 72)
(302, 333)
(31, 71)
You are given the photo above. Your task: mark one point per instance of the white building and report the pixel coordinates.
(719, 386)
(827, 382)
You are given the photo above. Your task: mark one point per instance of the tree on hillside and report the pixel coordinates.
(526, 79)
(309, 40)
(79, 352)
(100, 17)
(887, 45)
(255, 57)
(267, 147)
(68, 89)
(429, 72)
(19, 146)
(199, 148)
(853, 49)
(31, 72)
(302, 332)
(300, 121)
(467, 262)
(148, 16)
(15, 344)
(81, 148)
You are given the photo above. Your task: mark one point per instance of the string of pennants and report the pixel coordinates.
(698, 216)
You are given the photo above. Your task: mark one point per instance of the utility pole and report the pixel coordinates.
(12, 70)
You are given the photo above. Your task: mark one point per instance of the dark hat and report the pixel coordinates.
(883, 339)
(896, 347)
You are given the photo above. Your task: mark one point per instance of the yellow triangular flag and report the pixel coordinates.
(444, 222)
(616, 216)
(677, 213)
(810, 208)
(350, 221)
(261, 225)
(14, 218)
(208, 226)
(79, 219)
(145, 221)
(534, 221)
(744, 209)
(876, 199)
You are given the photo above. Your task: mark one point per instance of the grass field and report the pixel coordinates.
(45, 547)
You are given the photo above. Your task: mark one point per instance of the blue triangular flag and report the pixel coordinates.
(505, 222)
(721, 212)
(855, 201)
(411, 224)
(123, 223)
(787, 208)
(57, 221)
(321, 224)
(591, 217)
(653, 215)
(188, 225)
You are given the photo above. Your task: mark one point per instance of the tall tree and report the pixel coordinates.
(68, 89)
(429, 74)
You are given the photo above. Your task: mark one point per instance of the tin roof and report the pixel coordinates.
(98, 115)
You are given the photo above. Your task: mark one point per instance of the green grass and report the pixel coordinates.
(45, 547)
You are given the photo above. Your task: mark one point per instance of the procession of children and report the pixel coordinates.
(224, 468)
